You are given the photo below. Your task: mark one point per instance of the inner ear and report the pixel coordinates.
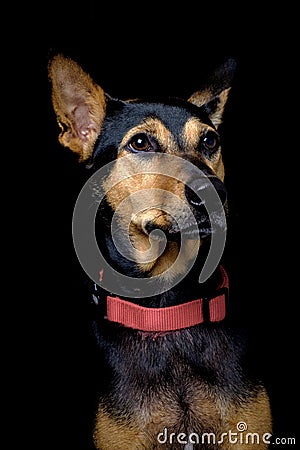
(215, 107)
(79, 104)
(213, 95)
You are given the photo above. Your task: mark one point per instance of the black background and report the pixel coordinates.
(151, 48)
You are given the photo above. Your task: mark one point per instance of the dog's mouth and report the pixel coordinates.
(201, 231)
(198, 220)
(167, 246)
(163, 246)
(174, 233)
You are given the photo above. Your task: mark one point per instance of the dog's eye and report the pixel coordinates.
(210, 142)
(141, 143)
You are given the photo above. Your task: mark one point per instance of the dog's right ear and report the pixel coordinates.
(79, 104)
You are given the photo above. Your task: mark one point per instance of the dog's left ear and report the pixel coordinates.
(213, 96)
(79, 104)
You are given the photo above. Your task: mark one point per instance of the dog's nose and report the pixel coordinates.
(202, 191)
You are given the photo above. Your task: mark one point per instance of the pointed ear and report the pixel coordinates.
(79, 104)
(214, 94)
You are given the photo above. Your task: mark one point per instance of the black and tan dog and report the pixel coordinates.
(173, 372)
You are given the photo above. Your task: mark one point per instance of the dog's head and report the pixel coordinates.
(163, 156)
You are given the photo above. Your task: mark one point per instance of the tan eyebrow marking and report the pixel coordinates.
(191, 132)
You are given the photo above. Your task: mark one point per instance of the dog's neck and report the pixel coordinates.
(184, 306)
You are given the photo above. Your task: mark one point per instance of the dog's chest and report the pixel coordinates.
(161, 416)
(155, 396)
(193, 407)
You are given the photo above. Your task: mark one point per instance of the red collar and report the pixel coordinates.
(170, 318)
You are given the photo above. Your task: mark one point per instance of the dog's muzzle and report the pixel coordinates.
(205, 197)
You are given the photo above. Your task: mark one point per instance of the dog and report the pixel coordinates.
(173, 369)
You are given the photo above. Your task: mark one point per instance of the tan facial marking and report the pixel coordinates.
(125, 169)
(192, 132)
